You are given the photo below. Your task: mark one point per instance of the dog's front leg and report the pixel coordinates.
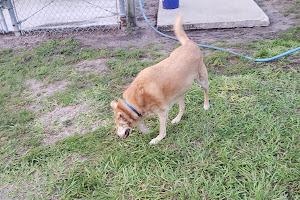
(163, 117)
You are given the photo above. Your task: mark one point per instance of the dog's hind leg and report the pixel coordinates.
(204, 85)
(163, 116)
(203, 81)
(181, 110)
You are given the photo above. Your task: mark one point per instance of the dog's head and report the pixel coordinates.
(124, 119)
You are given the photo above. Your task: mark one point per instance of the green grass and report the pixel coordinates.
(246, 146)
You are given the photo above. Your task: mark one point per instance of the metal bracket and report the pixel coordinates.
(7, 4)
(2, 19)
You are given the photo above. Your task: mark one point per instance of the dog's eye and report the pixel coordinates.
(122, 118)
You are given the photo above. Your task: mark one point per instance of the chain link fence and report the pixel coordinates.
(46, 16)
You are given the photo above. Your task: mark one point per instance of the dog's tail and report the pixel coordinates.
(179, 31)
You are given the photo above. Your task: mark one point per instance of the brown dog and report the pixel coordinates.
(157, 88)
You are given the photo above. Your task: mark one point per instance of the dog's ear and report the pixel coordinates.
(113, 104)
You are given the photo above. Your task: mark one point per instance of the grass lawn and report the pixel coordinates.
(57, 133)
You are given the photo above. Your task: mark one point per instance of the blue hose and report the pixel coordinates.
(217, 48)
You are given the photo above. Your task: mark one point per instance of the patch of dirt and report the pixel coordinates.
(21, 190)
(66, 121)
(74, 158)
(61, 122)
(96, 66)
(173, 146)
(39, 90)
(198, 143)
(143, 34)
(4, 190)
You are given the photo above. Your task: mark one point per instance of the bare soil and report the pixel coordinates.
(66, 121)
(96, 66)
(143, 34)
(39, 90)
(4, 190)
(61, 122)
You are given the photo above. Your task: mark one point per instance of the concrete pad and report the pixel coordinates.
(207, 14)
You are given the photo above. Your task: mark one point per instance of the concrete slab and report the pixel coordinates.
(47, 14)
(207, 14)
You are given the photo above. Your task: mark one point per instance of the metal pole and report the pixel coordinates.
(2, 21)
(13, 17)
(122, 13)
(131, 10)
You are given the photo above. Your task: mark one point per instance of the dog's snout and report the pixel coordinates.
(123, 132)
(127, 132)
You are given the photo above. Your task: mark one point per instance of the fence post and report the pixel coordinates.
(12, 15)
(2, 20)
(122, 13)
(131, 12)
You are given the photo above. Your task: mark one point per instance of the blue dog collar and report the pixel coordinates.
(134, 110)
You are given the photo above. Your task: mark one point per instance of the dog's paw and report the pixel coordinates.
(154, 141)
(206, 107)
